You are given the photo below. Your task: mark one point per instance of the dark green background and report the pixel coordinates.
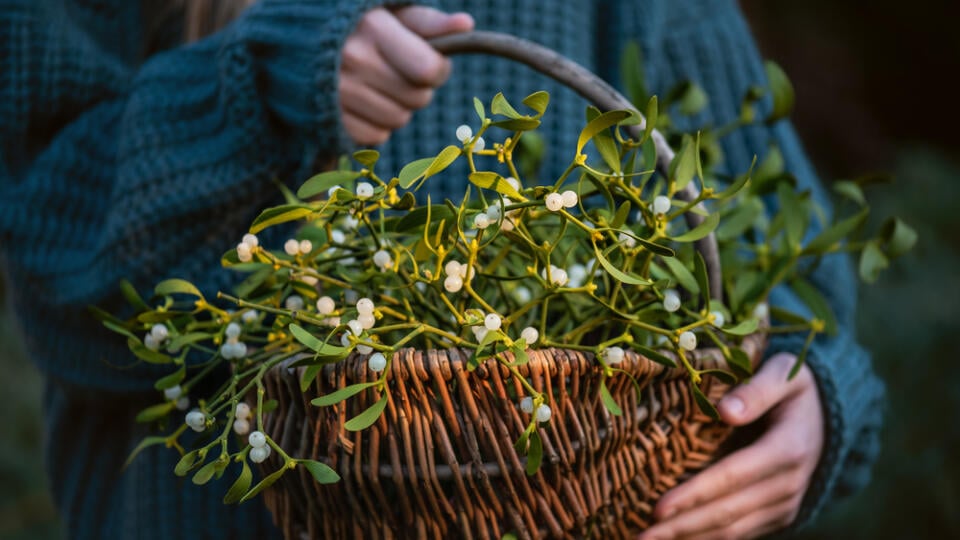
(873, 95)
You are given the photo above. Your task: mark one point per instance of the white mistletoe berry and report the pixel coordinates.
(494, 212)
(452, 268)
(382, 259)
(325, 305)
(377, 362)
(492, 321)
(364, 349)
(558, 276)
(627, 240)
(761, 311)
(242, 411)
(481, 221)
(612, 355)
(243, 253)
(196, 420)
(250, 240)
(661, 204)
(464, 133)
(337, 236)
(479, 144)
(554, 202)
(151, 342)
(514, 183)
(453, 284)
(570, 198)
(294, 302)
(159, 332)
(173, 392)
(364, 190)
(259, 455)
(718, 319)
(182, 403)
(688, 341)
(350, 222)
(526, 404)
(544, 413)
(306, 246)
(367, 320)
(671, 300)
(355, 327)
(522, 294)
(232, 331)
(291, 247)
(241, 426)
(257, 439)
(365, 306)
(530, 335)
(577, 274)
(479, 332)
(249, 316)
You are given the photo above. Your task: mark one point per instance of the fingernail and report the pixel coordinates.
(669, 513)
(733, 405)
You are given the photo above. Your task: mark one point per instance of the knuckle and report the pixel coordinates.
(429, 72)
(421, 98)
(353, 55)
(794, 452)
(399, 119)
(794, 512)
(379, 136)
(727, 534)
(724, 517)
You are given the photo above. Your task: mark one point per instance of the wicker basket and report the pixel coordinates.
(441, 463)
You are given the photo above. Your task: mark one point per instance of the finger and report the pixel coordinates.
(362, 132)
(406, 52)
(372, 106)
(428, 22)
(769, 386)
(764, 521)
(361, 61)
(724, 512)
(735, 472)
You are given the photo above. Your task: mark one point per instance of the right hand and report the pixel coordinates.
(388, 70)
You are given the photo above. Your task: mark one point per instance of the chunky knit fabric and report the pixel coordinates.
(121, 164)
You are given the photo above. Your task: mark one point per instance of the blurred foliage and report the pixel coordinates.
(26, 511)
(909, 321)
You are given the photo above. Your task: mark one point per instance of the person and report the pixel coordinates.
(139, 142)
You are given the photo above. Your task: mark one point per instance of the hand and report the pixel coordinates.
(758, 489)
(387, 69)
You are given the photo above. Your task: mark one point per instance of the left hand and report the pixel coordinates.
(758, 489)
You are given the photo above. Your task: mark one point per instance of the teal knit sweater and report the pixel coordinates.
(122, 161)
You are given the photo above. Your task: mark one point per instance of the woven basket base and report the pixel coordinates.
(440, 461)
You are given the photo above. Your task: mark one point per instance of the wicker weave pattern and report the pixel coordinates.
(440, 462)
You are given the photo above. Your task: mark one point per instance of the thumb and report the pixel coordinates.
(768, 387)
(428, 22)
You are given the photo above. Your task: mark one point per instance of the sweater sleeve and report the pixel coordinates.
(708, 42)
(111, 171)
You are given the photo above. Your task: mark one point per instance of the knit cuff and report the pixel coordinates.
(852, 399)
(295, 49)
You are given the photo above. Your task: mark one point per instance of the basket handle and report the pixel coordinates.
(596, 91)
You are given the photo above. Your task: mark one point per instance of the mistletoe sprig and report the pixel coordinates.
(597, 260)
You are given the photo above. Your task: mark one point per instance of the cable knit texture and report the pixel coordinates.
(117, 166)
